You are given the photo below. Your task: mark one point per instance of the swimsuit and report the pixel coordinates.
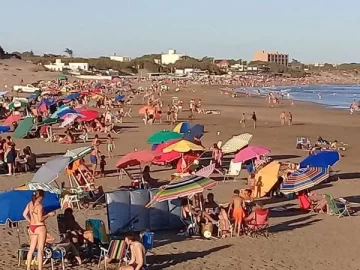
(93, 159)
(238, 215)
(34, 227)
(110, 147)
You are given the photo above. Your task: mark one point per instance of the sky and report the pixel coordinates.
(309, 30)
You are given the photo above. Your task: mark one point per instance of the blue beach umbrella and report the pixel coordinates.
(64, 112)
(14, 202)
(60, 109)
(321, 159)
(73, 96)
(119, 98)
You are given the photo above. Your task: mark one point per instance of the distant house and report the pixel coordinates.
(170, 57)
(119, 58)
(60, 66)
(223, 64)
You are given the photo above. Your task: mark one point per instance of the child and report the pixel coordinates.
(96, 140)
(237, 205)
(110, 146)
(102, 166)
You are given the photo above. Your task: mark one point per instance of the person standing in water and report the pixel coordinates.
(34, 214)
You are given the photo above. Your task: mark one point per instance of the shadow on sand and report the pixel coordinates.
(293, 224)
(174, 259)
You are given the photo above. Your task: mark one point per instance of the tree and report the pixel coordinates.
(69, 52)
(2, 53)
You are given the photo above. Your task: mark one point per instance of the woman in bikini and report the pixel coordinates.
(34, 214)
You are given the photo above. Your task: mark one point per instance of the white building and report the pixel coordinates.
(171, 57)
(60, 66)
(119, 58)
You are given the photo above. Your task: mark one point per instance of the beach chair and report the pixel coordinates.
(337, 207)
(116, 250)
(128, 113)
(259, 226)
(230, 226)
(97, 227)
(233, 171)
(70, 201)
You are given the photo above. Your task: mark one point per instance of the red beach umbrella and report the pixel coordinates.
(136, 158)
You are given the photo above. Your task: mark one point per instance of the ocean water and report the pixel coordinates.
(336, 96)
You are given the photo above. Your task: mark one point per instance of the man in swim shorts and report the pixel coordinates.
(237, 205)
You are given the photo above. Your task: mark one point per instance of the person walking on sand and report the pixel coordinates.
(254, 118)
(34, 214)
(110, 146)
(237, 205)
(243, 119)
(282, 118)
(94, 157)
(290, 118)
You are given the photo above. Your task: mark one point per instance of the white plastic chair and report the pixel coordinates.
(233, 172)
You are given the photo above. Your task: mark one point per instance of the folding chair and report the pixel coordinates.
(116, 251)
(337, 207)
(128, 113)
(233, 172)
(260, 225)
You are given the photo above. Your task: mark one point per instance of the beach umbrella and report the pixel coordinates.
(321, 159)
(303, 179)
(50, 171)
(115, 80)
(11, 119)
(183, 146)
(43, 186)
(71, 114)
(32, 96)
(61, 77)
(206, 171)
(166, 158)
(4, 129)
(73, 96)
(251, 152)
(24, 127)
(136, 158)
(160, 147)
(143, 109)
(69, 119)
(47, 101)
(236, 143)
(78, 153)
(182, 127)
(163, 136)
(59, 110)
(65, 112)
(13, 204)
(89, 115)
(267, 177)
(184, 187)
(120, 98)
(16, 104)
(49, 122)
(196, 132)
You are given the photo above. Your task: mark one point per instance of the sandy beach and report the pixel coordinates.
(297, 241)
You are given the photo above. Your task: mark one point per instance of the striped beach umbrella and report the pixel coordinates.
(236, 143)
(304, 179)
(184, 187)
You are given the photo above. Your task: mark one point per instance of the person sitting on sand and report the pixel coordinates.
(67, 138)
(69, 247)
(237, 206)
(217, 213)
(75, 233)
(191, 215)
(137, 250)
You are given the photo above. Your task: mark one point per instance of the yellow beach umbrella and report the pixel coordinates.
(183, 146)
(182, 127)
(266, 178)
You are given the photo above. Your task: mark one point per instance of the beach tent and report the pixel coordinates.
(24, 127)
(125, 205)
(14, 202)
(321, 159)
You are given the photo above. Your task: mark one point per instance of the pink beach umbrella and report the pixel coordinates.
(251, 152)
(11, 119)
(136, 158)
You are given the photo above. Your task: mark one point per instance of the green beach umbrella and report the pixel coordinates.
(24, 127)
(17, 104)
(49, 122)
(163, 136)
(62, 77)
